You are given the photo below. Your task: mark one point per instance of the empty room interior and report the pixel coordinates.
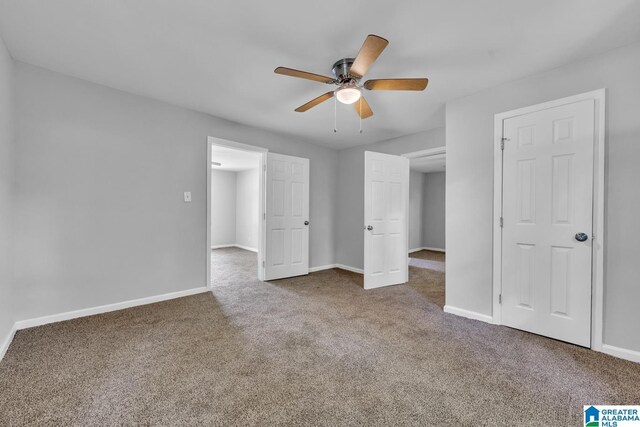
(341, 213)
(235, 216)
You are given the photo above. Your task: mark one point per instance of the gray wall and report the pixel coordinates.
(100, 175)
(247, 208)
(6, 191)
(433, 210)
(416, 205)
(469, 129)
(223, 207)
(350, 198)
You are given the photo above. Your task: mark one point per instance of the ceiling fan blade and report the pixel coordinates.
(369, 52)
(314, 102)
(303, 75)
(362, 108)
(396, 84)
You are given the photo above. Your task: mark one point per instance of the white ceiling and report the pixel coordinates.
(429, 164)
(234, 160)
(218, 56)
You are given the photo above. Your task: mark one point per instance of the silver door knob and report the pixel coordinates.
(306, 223)
(369, 227)
(582, 237)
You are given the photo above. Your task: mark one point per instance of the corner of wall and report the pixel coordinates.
(7, 196)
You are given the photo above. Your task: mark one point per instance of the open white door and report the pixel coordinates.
(386, 229)
(547, 183)
(287, 217)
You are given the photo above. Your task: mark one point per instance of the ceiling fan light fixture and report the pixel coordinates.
(348, 94)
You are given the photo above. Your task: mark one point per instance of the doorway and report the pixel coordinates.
(386, 229)
(427, 217)
(235, 206)
(277, 206)
(404, 216)
(548, 243)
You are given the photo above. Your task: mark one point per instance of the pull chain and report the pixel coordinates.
(360, 114)
(335, 115)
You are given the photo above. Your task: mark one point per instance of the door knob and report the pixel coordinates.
(369, 227)
(582, 237)
(306, 223)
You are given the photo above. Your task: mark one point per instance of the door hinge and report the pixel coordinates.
(502, 141)
(263, 264)
(499, 298)
(501, 222)
(264, 215)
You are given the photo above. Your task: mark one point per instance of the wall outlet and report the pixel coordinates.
(187, 196)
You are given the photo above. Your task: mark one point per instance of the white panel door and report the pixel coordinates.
(386, 230)
(547, 203)
(287, 217)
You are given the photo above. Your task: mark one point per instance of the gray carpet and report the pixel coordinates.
(430, 260)
(429, 255)
(315, 350)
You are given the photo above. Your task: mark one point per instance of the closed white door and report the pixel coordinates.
(287, 217)
(386, 230)
(547, 216)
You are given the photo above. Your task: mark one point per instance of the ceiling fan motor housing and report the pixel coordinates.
(341, 69)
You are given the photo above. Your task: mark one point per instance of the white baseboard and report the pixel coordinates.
(340, 266)
(39, 321)
(246, 248)
(222, 246)
(321, 267)
(468, 314)
(426, 249)
(7, 341)
(622, 353)
(349, 268)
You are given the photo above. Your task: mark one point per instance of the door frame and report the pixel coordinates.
(426, 153)
(430, 152)
(211, 141)
(597, 255)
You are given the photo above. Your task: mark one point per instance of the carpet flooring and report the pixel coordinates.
(430, 260)
(316, 350)
(429, 255)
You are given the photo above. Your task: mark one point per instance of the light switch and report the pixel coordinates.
(187, 196)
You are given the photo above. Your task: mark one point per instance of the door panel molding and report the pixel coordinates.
(563, 131)
(287, 217)
(386, 225)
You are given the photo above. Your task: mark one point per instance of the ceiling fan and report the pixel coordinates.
(347, 73)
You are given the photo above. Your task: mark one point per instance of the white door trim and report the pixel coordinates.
(261, 227)
(426, 153)
(599, 97)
